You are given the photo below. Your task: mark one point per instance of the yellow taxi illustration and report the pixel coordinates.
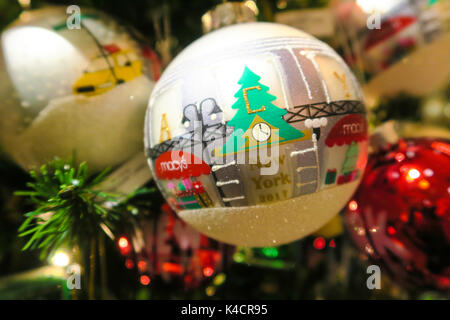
(113, 67)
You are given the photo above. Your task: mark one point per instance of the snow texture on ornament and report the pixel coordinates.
(64, 90)
(256, 134)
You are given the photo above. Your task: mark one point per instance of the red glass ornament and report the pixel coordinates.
(400, 215)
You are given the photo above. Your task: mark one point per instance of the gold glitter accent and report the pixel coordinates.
(247, 103)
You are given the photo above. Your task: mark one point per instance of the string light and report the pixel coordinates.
(238, 257)
(124, 245)
(208, 271)
(123, 242)
(353, 205)
(270, 252)
(129, 264)
(61, 259)
(142, 266)
(210, 291)
(145, 280)
(391, 230)
(219, 279)
(319, 243)
(172, 268)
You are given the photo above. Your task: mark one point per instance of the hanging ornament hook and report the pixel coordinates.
(164, 41)
(228, 13)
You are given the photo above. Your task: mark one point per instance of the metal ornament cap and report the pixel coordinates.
(226, 14)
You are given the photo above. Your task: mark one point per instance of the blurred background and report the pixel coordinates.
(399, 51)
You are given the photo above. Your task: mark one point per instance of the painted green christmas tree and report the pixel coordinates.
(253, 100)
(351, 158)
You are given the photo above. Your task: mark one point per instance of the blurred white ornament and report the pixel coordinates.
(67, 91)
(395, 45)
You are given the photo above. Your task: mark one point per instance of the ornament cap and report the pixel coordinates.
(228, 13)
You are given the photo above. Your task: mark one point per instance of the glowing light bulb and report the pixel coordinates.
(123, 242)
(391, 230)
(145, 280)
(208, 271)
(238, 257)
(124, 245)
(270, 252)
(129, 264)
(210, 291)
(61, 259)
(353, 205)
(319, 243)
(219, 279)
(142, 265)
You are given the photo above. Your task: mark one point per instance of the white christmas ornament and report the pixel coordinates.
(68, 89)
(256, 134)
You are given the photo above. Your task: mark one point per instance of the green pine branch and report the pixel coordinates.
(69, 210)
